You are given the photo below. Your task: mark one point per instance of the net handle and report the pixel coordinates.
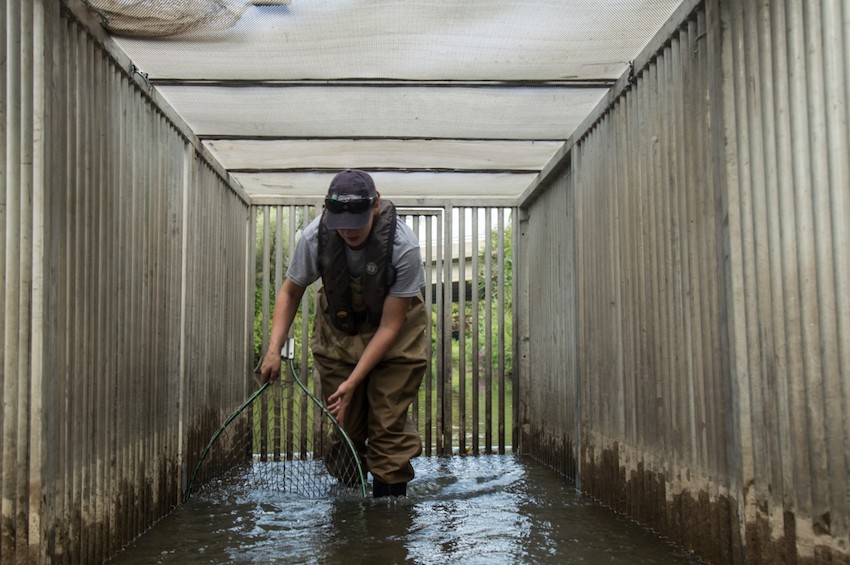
(216, 435)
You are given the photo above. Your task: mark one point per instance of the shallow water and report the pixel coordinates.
(479, 510)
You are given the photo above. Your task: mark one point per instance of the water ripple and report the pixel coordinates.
(489, 509)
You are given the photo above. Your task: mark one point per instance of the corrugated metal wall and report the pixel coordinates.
(707, 353)
(125, 298)
(548, 403)
(788, 202)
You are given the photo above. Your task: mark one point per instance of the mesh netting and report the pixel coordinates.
(163, 18)
(281, 439)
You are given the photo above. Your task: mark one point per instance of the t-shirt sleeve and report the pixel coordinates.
(304, 265)
(407, 259)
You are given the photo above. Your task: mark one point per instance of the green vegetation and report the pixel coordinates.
(276, 239)
(491, 294)
(485, 306)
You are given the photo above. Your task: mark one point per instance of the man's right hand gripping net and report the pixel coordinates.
(281, 439)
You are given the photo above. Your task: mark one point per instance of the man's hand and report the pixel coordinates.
(339, 401)
(285, 306)
(270, 369)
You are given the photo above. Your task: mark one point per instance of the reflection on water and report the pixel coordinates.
(489, 509)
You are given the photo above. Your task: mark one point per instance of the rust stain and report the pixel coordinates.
(556, 452)
(708, 526)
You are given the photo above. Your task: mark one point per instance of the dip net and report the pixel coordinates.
(281, 439)
(164, 18)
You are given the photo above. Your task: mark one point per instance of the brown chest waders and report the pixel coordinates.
(377, 419)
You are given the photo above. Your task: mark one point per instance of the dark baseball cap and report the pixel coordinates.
(350, 198)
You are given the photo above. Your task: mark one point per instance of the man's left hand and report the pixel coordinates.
(339, 400)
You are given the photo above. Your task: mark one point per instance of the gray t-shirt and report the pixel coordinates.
(407, 259)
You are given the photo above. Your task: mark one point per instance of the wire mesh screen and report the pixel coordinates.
(281, 439)
(469, 99)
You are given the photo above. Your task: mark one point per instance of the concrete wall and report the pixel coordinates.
(689, 364)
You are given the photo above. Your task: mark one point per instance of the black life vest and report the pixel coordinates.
(378, 273)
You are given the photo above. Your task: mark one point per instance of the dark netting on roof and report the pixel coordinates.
(164, 18)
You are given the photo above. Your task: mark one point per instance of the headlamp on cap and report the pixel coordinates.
(337, 204)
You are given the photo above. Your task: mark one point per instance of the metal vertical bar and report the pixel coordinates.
(751, 223)
(692, 83)
(288, 385)
(184, 448)
(414, 221)
(147, 389)
(250, 299)
(808, 408)
(439, 354)
(278, 282)
(488, 331)
(187, 439)
(582, 302)
(476, 353)
(446, 372)
(135, 343)
(160, 323)
(96, 294)
(264, 288)
(46, 497)
(709, 299)
(429, 292)
(619, 314)
(830, 497)
(656, 262)
(720, 386)
(589, 265)
(679, 325)
(111, 231)
(633, 249)
(78, 335)
(501, 327)
(159, 417)
(836, 72)
(667, 385)
(770, 490)
(26, 268)
(518, 312)
(147, 182)
(597, 257)
(710, 274)
(170, 362)
(264, 284)
(684, 369)
(461, 328)
(726, 230)
(631, 301)
(12, 275)
(7, 184)
(121, 442)
(154, 187)
(633, 246)
(42, 477)
(306, 302)
(194, 321)
(100, 290)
